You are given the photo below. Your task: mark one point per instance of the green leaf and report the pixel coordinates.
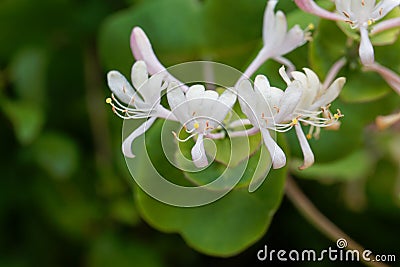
(27, 119)
(217, 228)
(355, 165)
(57, 154)
(28, 73)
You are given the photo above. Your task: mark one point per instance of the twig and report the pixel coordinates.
(322, 223)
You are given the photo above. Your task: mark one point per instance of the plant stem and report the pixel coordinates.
(321, 222)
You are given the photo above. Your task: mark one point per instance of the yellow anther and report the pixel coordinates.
(108, 100)
(370, 21)
(311, 26)
(309, 136)
(196, 125)
(295, 121)
(336, 116)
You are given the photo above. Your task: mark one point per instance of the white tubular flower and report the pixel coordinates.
(142, 50)
(278, 41)
(200, 112)
(266, 107)
(313, 107)
(359, 14)
(138, 102)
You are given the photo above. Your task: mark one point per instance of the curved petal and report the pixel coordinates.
(388, 75)
(330, 94)
(269, 20)
(139, 74)
(289, 102)
(305, 147)
(199, 154)
(176, 100)
(366, 50)
(120, 86)
(293, 39)
(386, 25)
(310, 6)
(384, 7)
(127, 144)
(142, 50)
(277, 155)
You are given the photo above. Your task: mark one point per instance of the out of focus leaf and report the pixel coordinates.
(28, 74)
(27, 119)
(111, 249)
(355, 165)
(125, 211)
(57, 154)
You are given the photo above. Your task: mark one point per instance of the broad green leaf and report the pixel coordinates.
(57, 154)
(353, 166)
(26, 118)
(223, 228)
(217, 228)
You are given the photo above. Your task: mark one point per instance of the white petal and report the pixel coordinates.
(280, 29)
(366, 50)
(247, 101)
(225, 103)
(284, 75)
(384, 7)
(199, 154)
(151, 90)
(289, 102)
(120, 86)
(139, 74)
(277, 155)
(305, 147)
(269, 20)
(330, 94)
(127, 144)
(177, 102)
(293, 39)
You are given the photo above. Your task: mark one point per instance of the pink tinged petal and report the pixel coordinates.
(366, 50)
(120, 86)
(142, 50)
(390, 76)
(386, 25)
(127, 144)
(330, 94)
(310, 6)
(277, 155)
(305, 147)
(199, 154)
(333, 72)
(289, 102)
(261, 57)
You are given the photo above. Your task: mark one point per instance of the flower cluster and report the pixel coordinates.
(203, 113)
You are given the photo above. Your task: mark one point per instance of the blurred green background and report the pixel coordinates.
(66, 196)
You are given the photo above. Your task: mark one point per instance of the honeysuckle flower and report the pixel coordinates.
(141, 101)
(359, 14)
(313, 107)
(277, 40)
(200, 112)
(266, 107)
(143, 50)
